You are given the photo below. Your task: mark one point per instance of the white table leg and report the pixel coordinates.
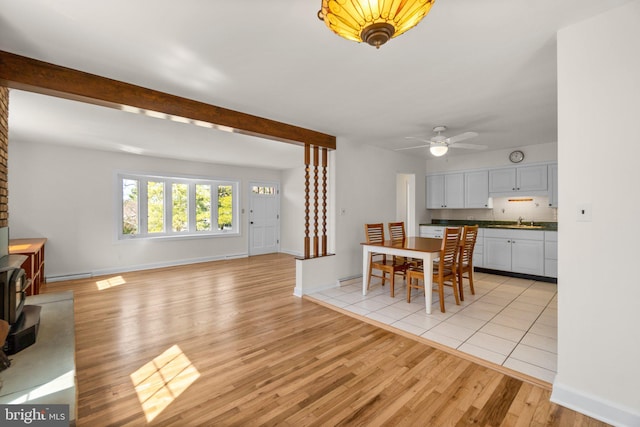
(365, 269)
(427, 267)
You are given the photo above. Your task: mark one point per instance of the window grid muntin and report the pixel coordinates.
(168, 205)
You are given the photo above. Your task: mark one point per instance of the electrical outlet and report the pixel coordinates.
(584, 212)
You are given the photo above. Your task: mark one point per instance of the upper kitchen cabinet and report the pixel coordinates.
(553, 185)
(445, 191)
(476, 185)
(523, 180)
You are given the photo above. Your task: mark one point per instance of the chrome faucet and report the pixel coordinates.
(520, 220)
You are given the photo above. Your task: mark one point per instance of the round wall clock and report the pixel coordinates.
(516, 156)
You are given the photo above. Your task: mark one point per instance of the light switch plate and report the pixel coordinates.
(583, 212)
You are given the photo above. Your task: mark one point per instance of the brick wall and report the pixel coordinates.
(4, 154)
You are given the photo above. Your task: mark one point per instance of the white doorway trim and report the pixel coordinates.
(406, 202)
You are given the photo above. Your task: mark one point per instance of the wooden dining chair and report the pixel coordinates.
(465, 257)
(380, 262)
(397, 233)
(444, 272)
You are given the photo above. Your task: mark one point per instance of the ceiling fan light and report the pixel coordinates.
(438, 150)
(374, 22)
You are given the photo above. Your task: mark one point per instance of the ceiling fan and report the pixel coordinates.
(439, 144)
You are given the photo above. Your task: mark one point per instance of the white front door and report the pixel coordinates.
(264, 218)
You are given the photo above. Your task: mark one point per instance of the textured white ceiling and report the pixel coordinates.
(485, 66)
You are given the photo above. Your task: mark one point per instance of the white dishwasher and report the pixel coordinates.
(432, 231)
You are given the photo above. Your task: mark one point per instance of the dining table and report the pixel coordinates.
(425, 248)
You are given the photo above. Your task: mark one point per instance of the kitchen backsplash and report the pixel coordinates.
(504, 209)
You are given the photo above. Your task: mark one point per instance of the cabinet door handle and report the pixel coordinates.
(514, 189)
(518, 188)
(508, 241)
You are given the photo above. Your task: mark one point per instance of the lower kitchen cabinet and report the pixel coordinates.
(551, 254)
(432, 231)
(478, 249)
(518, 251)
(497, 253)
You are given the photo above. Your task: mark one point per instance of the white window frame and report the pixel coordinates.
(168, 181)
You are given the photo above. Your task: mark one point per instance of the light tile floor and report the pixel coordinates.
(509, 321)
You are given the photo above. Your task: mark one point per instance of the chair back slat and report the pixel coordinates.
(467, 243)
(374, 233)
(396, 231)
(449, 248)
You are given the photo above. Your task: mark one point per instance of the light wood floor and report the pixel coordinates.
(226, 343)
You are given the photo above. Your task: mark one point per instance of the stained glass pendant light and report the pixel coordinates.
(373, 21)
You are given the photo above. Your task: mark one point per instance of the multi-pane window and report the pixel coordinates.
(154, 206)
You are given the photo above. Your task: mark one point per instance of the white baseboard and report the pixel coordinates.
(293, 253)
(594, 406)
(346, 279)
(130, 268)
(51, 279)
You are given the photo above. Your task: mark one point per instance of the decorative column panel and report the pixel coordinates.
(4, 150)
(315, 157)
(324, 201)
(315, 200)
(307, 177)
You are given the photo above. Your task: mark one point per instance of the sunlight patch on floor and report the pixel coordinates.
(162, 380)
(63, 382)
(110, 283)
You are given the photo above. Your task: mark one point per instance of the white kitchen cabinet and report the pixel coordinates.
(478, 249)
(551, 254)
(497, 253)
(432, 231)
(476, 189)
(502, 180)
(527, 256)
(435, 191)
(445, 191)
(553, 185)
(518, 251)
(525, 180)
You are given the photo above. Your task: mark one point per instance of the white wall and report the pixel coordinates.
(598, 149)
(68, 195)
(366, 190)
(292, 218)
(486, 159)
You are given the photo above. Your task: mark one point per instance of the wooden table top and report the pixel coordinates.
(420, 244)
(26, 246)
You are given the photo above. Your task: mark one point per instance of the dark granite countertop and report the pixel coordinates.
(526, 225)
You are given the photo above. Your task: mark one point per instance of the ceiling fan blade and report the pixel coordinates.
(418, 139)
(411, 148)
(470, 146)
(462, 137)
